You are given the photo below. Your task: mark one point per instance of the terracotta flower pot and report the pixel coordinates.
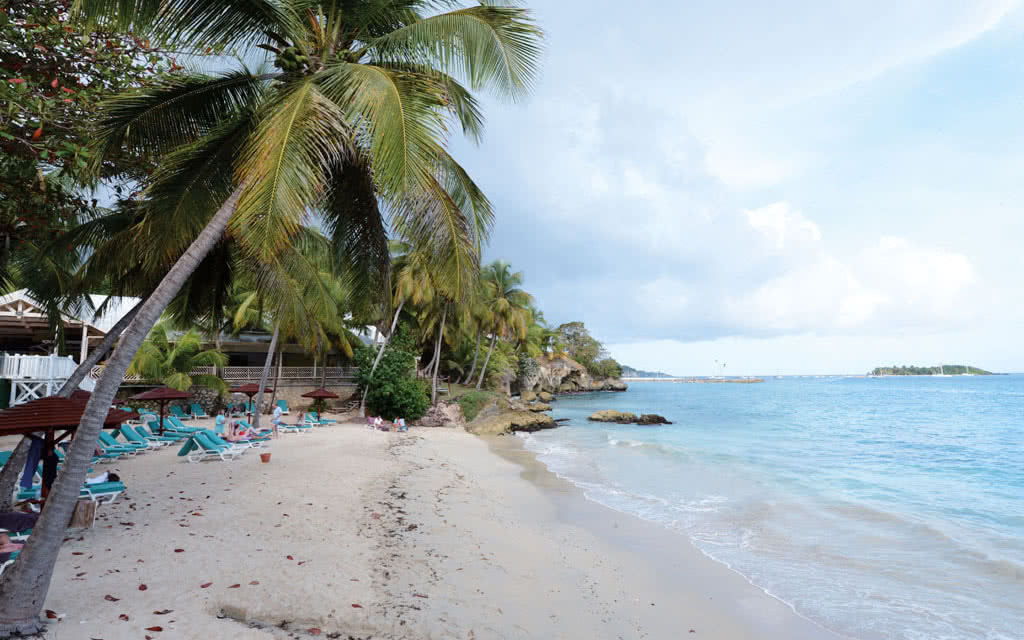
(264, 457)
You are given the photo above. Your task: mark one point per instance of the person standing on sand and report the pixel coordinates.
(276, 419)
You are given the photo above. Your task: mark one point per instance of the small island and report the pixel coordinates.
(947, 369)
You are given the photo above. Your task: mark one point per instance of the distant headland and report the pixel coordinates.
(946, 369)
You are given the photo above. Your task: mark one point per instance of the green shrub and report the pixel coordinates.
(473, 401)
(394, 390)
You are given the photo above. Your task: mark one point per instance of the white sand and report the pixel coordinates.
(432, 533)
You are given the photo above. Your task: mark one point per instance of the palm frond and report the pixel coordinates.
(496, 47)
(285, 166)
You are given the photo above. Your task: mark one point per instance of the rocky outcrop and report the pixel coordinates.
(443, 414)
(507, 422)
(539, 406)
(544, 396)
(564, 375)
(625, 417)
(527, 396)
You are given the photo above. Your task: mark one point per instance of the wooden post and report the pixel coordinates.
(84, 351)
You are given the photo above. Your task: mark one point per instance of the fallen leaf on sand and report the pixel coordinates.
(418, 595)
(77, 553)
(142, 587)
(357, 606)
(290, 558)
(162, 612)
(110, 598)
(313, 631)
(51, 615)
(302, 562)
(154, 628)
(255, 582)
(234, 586)
(376, 516)
(179, 551)
(123, 616)
(205, 584)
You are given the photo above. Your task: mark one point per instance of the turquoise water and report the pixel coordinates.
(878, 507)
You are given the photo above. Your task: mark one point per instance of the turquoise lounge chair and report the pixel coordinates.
(318, 420)
(284, 406)
(199, 448)
(173, 422)
(131, 434)
(197, 411)
(169, 436)
(177, 412)
(110, 445)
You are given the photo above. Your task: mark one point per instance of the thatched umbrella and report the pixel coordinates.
(250, 390)
(319, 395)
(163, 395)
(50, 415)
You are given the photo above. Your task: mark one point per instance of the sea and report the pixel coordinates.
(888, 507)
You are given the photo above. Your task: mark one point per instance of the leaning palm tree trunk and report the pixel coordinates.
(437, 356)
(483, 370)
(277, 378)
(11, 471)
(258, 408)
(97, 354)
(376, 361)
(476, 353)
(24, 585)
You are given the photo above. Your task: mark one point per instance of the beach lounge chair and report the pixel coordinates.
(133, 434)
(110, 445)
(197, 411)
(199, 447)
(318, 420)
(169, 436)
(175, 423)
(284, 406)
(178, 413)
(248, 443)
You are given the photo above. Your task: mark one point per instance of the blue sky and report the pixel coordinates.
(783, 189)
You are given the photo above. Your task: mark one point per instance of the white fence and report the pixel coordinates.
(34, 377)
(289, 376)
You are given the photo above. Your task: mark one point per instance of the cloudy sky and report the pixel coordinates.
(786, 187)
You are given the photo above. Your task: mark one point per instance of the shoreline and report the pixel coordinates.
(726, 592)
(348, 532)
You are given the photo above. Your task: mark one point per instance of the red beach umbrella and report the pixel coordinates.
(50, 415)
(163, 395)
(319, 395)
(250, 390)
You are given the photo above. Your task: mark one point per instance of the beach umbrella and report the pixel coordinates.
(163, 395)
(250, 390)
(49, 415)
(319, 395)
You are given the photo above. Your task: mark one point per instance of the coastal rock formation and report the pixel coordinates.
(539, 406)
(625, 417)
(544, 396)
(443, 414)
(527, 396)
(507, 422)
(564, 375)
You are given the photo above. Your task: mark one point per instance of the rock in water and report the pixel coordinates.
(652, 418)
(610, 415)
(624, 417)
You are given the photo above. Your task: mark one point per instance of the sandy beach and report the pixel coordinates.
(351, 533)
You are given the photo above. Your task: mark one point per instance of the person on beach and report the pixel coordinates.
(276, 418)
(219, 423)
(6, 546)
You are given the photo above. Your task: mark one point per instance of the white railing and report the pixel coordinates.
(290, 376)
(19, 367)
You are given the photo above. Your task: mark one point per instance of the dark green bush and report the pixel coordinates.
(394, 391)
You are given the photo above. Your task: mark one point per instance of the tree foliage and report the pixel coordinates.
(171, 361)
(393, 391)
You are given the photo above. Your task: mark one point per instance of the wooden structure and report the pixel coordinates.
(163, 395)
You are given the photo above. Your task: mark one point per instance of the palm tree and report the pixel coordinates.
(358, 113)
(507, 306)
(160, 359)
